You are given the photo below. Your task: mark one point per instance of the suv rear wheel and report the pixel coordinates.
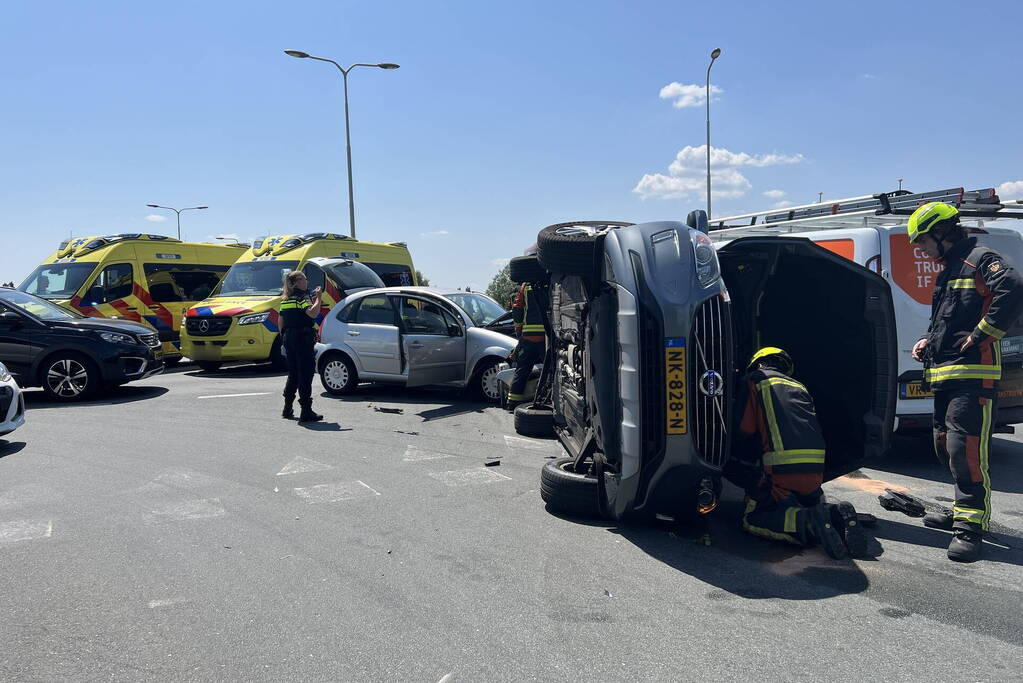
(526, 269)
(569, 491)
(570, 248)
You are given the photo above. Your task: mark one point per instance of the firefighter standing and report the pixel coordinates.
(532, 341)
(977, 297)
(298, 313)
(784, 500)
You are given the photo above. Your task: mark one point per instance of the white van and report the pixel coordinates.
(871, 230)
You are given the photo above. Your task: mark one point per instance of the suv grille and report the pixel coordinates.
(150, 340)
(207, 325)
(710, 359)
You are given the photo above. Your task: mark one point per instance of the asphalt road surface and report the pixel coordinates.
(179, 529)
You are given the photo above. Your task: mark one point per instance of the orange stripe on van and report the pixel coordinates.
(845, 248)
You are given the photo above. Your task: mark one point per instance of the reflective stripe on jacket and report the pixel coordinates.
(294, 315)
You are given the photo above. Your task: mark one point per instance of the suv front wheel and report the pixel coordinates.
(69, 377)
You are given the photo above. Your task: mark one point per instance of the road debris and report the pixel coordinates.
(492, 463)
(393, 411)
(399, 431)
(901, 502)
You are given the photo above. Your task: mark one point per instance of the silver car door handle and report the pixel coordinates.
(353, 333)
(415, 344)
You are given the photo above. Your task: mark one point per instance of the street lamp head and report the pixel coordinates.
(202, 207)
(296, 53)
(716, 53)
(153, 206)
(388, 65)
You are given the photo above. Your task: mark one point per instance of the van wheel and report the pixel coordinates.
(69, 377)
(568, 491)
(338, 375)
(277, 361)
(526, 269)
(209, 365)
(568, 248)
(484, 385)
(534, 421)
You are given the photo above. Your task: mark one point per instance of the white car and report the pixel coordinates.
(413, 336)
(12, 404)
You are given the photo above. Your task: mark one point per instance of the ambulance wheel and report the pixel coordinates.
(534, 421)
(568, 248)
(277, 361)
(526, 269)
(567, 491)
(209, 365)
(338, 375)
(67, 376)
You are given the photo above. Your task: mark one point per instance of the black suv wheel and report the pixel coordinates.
(570, 248)
(569, 491)
(526, 269)
(69, 377)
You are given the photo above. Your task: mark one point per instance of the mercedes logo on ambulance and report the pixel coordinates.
(204, 325)
(711, 383)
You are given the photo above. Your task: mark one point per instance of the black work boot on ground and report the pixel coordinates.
(289, 412)
(307, 415)
(966, 545)
(845, 519)
(938, 520)
(823, 531)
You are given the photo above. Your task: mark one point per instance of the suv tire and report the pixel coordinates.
(69, 376)
(568, 491)
(534, 421)
(568, 249)
(526, 269)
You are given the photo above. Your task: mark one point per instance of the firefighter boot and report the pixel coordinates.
(966, 546)
(823, 531)
(938, 520)
(845, 519)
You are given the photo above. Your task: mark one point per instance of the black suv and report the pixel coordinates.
(650, 329)
(70, 356)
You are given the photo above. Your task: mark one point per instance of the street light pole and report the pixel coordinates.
(177, 211)
(348, 133)
(713, 56)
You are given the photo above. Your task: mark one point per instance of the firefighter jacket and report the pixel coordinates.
(977, 295)
(781, 411)
(527, 315)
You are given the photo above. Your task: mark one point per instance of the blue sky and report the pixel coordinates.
(503, 118)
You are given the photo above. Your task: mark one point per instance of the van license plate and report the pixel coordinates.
(675, 385)
(911, 390)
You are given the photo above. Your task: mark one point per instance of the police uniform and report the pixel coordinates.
(298, 338)
(532, 341)
(978, 295)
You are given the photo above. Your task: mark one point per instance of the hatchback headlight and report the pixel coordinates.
(253, 318)
(5, 374)
(707, 269)
(118, 338)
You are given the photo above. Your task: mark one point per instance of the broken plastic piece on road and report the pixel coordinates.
(492, 463)
(393, 411)
(398, 431)
(901, 502)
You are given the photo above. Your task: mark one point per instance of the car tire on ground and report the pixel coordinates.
(567, 491)
(526, 269)
(68, 376)
(484, 385)
(568, 249)
(338, 375)
(209, 365)
(534, 421)
(277, 360)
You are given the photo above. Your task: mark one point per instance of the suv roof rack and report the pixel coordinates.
(868, 210)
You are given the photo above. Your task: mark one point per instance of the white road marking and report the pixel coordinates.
(153, 604)
(448, 677)
(301, 464)
(195, 508)
(25, 530)
(519, 442)
(256, 393)
(473, 475)
(338, 491)
(414, 454)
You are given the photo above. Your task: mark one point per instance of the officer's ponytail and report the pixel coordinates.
(290, 279)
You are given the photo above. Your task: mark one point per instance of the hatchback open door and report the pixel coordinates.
(836, 319)
(432, 341)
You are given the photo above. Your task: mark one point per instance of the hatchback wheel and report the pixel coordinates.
(338, 375)
(70, 378)
(485, 385)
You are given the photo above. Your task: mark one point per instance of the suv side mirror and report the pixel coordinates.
(11, 320)
(697, 220)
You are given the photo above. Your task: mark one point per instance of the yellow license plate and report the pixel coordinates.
(912, 390)
(675, 385)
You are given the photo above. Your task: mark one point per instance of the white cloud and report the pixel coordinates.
(783, 204)
(434, 233)
(687, 174)
(155, 218)
(868, 77)
(688, 95)
(774, 194)
(499, 262)
(1010, 190)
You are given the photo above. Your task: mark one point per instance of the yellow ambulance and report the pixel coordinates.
(151, 279)
(239, 322)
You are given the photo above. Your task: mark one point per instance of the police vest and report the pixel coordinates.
(293, 314)
(796, 444)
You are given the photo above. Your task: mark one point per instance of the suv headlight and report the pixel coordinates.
(253, 318)
(707, 269)
(5, 374)
(118, 338)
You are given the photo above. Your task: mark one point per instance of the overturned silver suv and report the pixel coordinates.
(649, 329)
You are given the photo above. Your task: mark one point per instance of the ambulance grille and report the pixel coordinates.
(207, 325)
(710, 358)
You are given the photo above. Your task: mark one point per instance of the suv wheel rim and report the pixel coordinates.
(579, 230)
(335, 374)
(488, 381)
(67, 378)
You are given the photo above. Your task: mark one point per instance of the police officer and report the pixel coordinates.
(298, 313)
(781, 464)
(977, 297)
(532, 341)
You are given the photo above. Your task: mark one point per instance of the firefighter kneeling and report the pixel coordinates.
(784, 500)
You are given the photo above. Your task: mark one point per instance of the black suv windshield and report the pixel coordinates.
(482, 309)
(57, 280)
(40, 308)
(256, 278)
